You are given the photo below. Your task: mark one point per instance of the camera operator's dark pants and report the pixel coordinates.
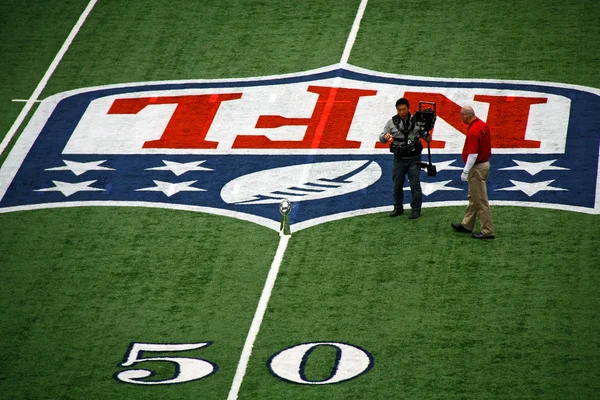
(401, 167)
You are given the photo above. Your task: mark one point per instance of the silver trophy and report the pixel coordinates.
(284, 209)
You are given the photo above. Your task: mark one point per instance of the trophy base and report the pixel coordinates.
(284, 227)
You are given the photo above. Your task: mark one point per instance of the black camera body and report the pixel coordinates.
(425, 118)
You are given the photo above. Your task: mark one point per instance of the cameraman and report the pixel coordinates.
(405, 132)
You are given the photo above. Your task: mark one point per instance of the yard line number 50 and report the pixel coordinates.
(288, 365)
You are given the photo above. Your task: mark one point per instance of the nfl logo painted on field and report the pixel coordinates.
(239, 146)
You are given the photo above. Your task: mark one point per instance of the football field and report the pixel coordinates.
(145, 147)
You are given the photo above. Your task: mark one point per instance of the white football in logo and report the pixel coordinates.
(301, 182)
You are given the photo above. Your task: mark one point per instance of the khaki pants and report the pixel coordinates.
(479, 206)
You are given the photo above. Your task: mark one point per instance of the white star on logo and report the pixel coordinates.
(531, 188)
(180, 168)
(68, 189)
(441, 166)
(534, 167)
(79, 168)
(172, 188)
(431, 187)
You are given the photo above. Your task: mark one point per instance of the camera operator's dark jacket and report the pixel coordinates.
(406, 133)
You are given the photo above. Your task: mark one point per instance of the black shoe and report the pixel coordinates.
(482, 236)
(414, 215)
(397, 212)
(460, 228)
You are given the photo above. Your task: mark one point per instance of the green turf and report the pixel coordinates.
(181, 39)
(521, 325)
(445, 316)
(30, 37)
(547, 40)
(78, 285)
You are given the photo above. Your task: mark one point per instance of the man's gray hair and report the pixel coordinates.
(467, 111)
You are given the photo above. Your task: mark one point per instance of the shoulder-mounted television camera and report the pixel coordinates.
(425, 118)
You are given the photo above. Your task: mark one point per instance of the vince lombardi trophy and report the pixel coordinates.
(284, 209)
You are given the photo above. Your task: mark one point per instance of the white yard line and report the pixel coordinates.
(353, 33)
(40, 87)
(283, 242)
(258, 318)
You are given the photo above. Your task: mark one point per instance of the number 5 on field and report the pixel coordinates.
(186, 369)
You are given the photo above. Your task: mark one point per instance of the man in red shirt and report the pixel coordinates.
(476, 154)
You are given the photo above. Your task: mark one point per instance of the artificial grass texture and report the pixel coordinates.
(444, 316)
(64, 339)
(30, 37)
(78, 285)
(545, 40)
(180, 39)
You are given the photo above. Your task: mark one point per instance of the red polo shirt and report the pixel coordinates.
(478, 141)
